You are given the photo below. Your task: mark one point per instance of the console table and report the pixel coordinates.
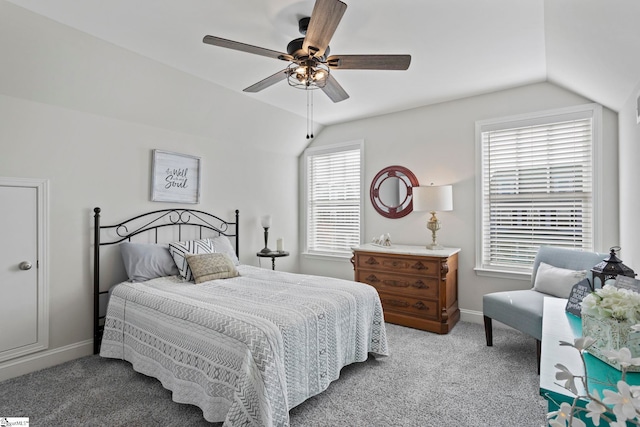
(558, 325)
(418, 287)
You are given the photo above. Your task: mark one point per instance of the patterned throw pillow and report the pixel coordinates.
(207, 267)
(180, 250)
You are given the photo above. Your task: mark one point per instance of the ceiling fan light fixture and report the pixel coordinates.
(319, 74)
(308, 75)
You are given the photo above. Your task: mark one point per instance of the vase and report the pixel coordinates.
(611, 334)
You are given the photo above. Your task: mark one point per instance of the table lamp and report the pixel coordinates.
(266, 223)
(431, 199)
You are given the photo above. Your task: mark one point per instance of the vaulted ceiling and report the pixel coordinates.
(459, 48)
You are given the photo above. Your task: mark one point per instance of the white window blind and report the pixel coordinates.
(333, 201)
(537, 189)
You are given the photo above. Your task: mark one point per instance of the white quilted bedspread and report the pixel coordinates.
(248, 349)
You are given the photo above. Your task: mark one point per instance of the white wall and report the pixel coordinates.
(629, 175)
(86, 115)
(437, 143)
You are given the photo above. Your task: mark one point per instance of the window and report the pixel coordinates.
(536, 186)
(333, 199)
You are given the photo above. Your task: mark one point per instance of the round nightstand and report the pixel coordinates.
(273, 255)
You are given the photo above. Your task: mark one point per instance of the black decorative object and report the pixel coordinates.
(609, 268)
(578, 292)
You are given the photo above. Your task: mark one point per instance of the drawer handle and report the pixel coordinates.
(420, 306)
(396, 283)
(419, 266)
(372, 279)
(371, 261)
(397, 303)
(420, 285)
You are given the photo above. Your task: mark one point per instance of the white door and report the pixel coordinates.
(23, 304)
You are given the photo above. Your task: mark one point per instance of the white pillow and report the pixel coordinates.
(557, 281)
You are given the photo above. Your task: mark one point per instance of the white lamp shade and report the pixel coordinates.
(266, 221)
(433, 198)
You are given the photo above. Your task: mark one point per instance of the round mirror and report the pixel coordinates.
(392, 191)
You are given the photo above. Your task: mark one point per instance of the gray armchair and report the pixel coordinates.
(522, 310)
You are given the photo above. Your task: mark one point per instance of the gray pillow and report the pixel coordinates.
(221, 244)
(146, 261)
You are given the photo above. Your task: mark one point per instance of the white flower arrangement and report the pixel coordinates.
(619, 405)
(611, 302)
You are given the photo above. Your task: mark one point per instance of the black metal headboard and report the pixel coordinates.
(150, 222)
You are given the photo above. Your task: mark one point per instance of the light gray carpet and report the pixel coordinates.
(429, 380)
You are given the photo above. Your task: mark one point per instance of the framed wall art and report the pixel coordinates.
(175, 177)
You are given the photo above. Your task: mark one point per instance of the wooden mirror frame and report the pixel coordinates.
(406, 206)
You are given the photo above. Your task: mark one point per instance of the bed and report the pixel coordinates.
(245, 348)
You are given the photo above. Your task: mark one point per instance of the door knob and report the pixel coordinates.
(25, 265)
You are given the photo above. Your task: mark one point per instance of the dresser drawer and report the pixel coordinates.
(410, 265)
(407, 305)
(410, 285)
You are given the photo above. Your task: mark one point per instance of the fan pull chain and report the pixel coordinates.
(309, 114)
(311, 124)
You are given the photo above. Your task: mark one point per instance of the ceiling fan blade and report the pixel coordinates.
(271, 80)
(333, 90)
(243, 47)
(369, 62)
(324, 20)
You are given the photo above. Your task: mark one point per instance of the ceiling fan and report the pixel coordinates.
(309, 62)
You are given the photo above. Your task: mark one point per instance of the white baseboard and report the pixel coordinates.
(44, 359)
(471, 316)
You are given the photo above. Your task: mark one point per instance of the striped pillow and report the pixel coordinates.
(180, 250)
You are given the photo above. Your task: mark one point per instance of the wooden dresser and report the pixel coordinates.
(418, 287)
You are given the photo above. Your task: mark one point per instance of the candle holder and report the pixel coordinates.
(266, 249)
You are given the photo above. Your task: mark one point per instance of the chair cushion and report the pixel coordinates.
(521, 310)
